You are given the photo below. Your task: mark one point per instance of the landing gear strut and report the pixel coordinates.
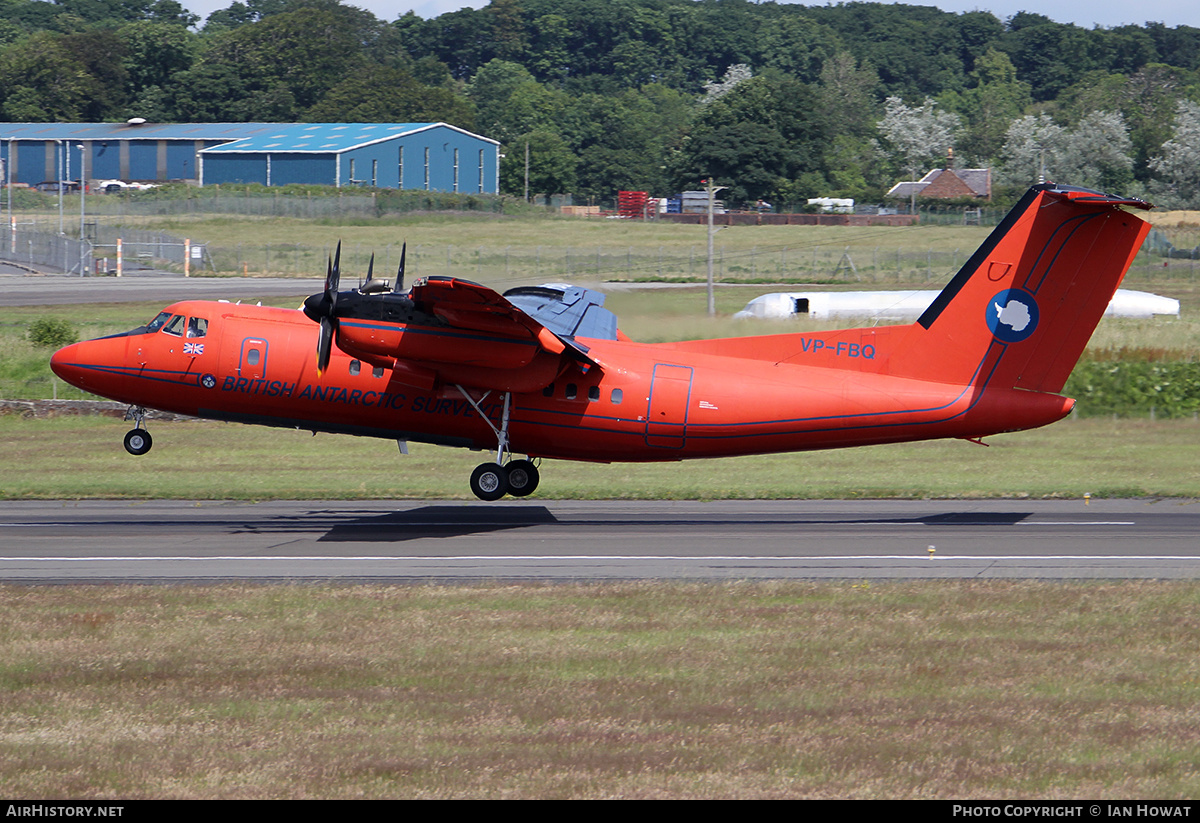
(137, 441)
(491, 481)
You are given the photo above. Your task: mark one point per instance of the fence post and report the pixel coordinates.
(120, 259)
(187, 257)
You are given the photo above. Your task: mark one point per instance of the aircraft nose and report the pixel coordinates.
(68, 363)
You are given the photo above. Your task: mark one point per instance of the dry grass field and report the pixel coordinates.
(905, 690)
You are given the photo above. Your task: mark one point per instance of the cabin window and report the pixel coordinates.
(617, 397)
(175, 326)
(548, 391)
(197, 327)
(593, 393)
(252, 357)
(377, 371)
(572, 391)
(355, 367)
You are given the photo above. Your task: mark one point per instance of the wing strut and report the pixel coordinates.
(491, 481)
(502, 432)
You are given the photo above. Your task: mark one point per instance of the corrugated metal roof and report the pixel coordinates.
(319, 137)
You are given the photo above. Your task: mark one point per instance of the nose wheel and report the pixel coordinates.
(137, 441)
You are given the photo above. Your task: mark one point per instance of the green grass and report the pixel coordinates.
(78, 457)
(909, 690)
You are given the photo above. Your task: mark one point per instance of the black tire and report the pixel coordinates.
(523, 478)
(138, 441)
(489, 481)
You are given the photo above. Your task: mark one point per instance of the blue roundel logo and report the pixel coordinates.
(1012, 315)
(208, 381)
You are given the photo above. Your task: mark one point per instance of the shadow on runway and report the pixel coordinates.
(458, 521)
(437, 521)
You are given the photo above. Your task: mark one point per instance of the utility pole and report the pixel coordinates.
(82, 207)
(712, 190)
(61, 174)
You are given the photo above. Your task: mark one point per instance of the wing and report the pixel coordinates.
(452, 331)
(469, 306)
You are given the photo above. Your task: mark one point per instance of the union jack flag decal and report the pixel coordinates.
(193, 348)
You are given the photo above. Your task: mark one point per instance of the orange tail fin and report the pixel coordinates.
(1021, 310)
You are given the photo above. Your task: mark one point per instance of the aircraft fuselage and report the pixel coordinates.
(650, 402)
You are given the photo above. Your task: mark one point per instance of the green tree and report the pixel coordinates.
(154, 52)
(1177, 166)
(509, 102)
(851, 90)
(1095, 154)
(1048, 55)
(551, 164)
(995, 99)
(43, 78)
(918, 137)
(800, 46)
(757, 138)
(622, 139)
(379, 94)
(302, 54)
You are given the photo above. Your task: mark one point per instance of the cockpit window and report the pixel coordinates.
(158, 322)
(175, 326)
(197, 327)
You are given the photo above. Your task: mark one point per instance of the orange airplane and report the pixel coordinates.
(543, 371)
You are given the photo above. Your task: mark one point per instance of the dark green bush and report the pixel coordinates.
(49, 332)
(1131, 387)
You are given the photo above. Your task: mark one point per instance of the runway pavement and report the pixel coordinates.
(22, 289)
(181, 541)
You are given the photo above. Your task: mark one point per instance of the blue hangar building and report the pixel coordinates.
(430, 156)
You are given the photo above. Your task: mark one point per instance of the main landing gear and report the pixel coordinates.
(137, 441)
(491, 481)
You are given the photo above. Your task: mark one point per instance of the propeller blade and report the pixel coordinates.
(325, 343)
(334, 278)
(322, 308)
(371, 267)
(400, 271)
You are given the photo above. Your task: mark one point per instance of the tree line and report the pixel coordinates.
(774, 100)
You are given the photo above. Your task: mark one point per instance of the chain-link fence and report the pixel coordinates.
(261, 202)
(98, 253)
(41, 250)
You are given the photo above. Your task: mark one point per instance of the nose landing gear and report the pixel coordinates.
(137, 441)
